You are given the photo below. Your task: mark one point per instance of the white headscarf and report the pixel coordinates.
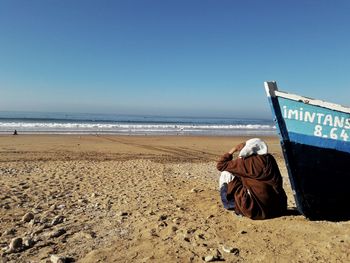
(253, 146)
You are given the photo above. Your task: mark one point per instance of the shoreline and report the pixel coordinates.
(202, 148)
(219, 133)
(139, 125)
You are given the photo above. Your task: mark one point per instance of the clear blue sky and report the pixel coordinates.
(198, 58)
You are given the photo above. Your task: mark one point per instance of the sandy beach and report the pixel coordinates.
(142, 199)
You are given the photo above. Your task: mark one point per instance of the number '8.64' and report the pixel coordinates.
(334, 133)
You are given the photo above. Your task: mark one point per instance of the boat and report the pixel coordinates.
(315, 141)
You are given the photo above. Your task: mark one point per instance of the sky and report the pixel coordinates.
(176, 58)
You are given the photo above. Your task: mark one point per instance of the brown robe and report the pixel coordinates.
(257, 187)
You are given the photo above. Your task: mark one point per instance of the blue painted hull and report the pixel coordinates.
(314, 125)
(316, 145)
(321, 180)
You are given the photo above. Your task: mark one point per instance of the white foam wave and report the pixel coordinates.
(138, 128)
(52, 125)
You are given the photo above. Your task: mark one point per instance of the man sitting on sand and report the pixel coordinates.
(252, 184)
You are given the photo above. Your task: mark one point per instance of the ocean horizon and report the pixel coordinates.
(91, 123)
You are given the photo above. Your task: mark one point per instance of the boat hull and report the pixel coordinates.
(315, 141)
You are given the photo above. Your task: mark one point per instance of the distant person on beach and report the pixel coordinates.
(251, 184)
(15, 132)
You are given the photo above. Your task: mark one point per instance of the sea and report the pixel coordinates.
(87, 123)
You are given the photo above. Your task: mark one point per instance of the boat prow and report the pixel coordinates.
(315, 139)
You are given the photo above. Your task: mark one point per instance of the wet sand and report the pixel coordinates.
(142, 199)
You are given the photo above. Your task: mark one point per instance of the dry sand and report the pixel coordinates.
(141, 199)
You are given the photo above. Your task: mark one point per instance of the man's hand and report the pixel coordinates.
(237, 148)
